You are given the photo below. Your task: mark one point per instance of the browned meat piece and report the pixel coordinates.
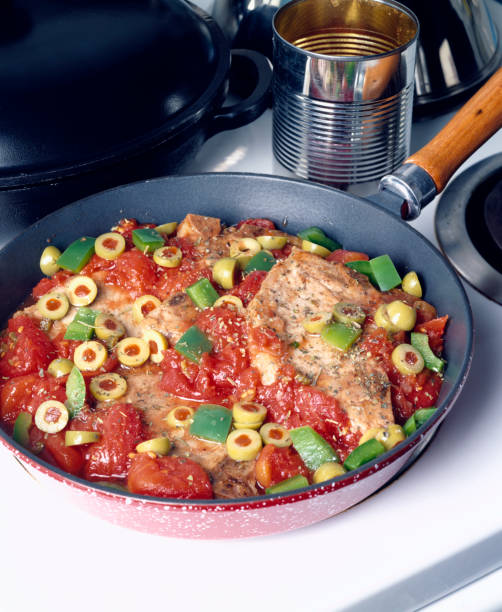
(198, 227)
(234, 479)
(173, 317)
(298, 287)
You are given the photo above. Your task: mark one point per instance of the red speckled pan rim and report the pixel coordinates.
(248, 502)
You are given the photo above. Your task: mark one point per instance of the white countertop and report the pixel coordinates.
(435, 529)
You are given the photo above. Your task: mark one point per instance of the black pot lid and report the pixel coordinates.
(84, 82)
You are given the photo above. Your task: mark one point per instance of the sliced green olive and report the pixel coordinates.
(401, 315)
(143, 306)
(224, 272)
(231, 301)
(110, 245)
(411, 284)
(75, 438)
(243, 444)
(378, 433)
(166, 229)
(394, 434)
(382, 319)
(157, 343)
(159, 446)
(82, 290)
(327, 471)
(108, 328)
(316, 322)
(89, 356)
(272, 242)
(49, 260)
(275, 434)
(249, 412)
(168, 256)
(53, 305)
(51, 416)
(316, 249)
(132, 351)
(60, 367)
(109, 386)
(181, 416)
(344, 312)
(407, 359)
(242, 250)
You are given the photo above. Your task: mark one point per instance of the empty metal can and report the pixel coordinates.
(343, 88)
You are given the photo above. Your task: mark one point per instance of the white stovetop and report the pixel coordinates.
(435, 529)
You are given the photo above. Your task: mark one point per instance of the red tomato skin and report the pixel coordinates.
(135, 272)
(68, 458)
(435, 330)
(249, 287)
(275, 464)
(223, 326)
(121, 430)
(47, 284)
(30, 351)
(26, 393)
(343, 256)
(177, 477)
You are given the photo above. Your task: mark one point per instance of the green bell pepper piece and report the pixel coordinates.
(82, 326)
(410, 426)
(261, 261)
(290, 484)
(193, 343)
(147, 239)
(75, 392)
(316, 235)
(421, 343)
(312, 448)
(340, 336)
(21, 433)
(75, 256)
(417, 419)
(384, 272)
(211, 422)
(202, 293)
(364, 267)
(363, 454)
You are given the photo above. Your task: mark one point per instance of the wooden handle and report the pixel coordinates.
(474, 123)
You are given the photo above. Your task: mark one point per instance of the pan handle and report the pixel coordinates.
(426, 173)
(247, 66)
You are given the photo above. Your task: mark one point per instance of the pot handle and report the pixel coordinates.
(254, 102)
(426, 173)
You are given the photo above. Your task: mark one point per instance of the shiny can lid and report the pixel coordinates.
(85, 82)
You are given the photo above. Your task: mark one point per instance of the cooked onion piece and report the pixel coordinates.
(53, 305)
(82, 290)
(132, 351)
(90, 355)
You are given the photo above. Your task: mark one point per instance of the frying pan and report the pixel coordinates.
(359, 224)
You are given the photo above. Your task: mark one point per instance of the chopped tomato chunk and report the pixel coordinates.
(49, 283)
(135, 272)
(121, 430)
(25, 349)
(168, 477)
(249, 287)
(435, 330)
(275, 464)
(263, 223)
(26, 393)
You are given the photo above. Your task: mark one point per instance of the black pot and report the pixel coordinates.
(96, 93)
